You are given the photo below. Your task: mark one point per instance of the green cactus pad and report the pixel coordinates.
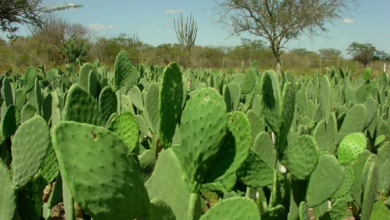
(68, 202)
(254, 172)
(249, 82)
(232, 93)
(93, 84)
(302, 156)
(29, 79)
(122, 69)
(136, 97)
(151, 105)
(234, 149)
(380, 211)
(338, 210)
(7, 92)
(29, 200)
(355, 121)
(286, 115)
(265, 148)
(351, 147)
(49, 166)
(325, 97)
(169, 103)
(303, 211)
(160, 210)
(84, 75)
(257, 123)
(233, 208)
(325, 180)
(29, 148)
(346, 185)
(370, 192)
(81, 107)
(126, 127)
(325, 134)
(203, 126)
(101, 167)
(108, 103)
(275, 213)
(8, 123)
(7, 194)
(357, 167)
(147, 161)
(271, 99)
(46, 107)
(28, 112)
(176, 193)
(38, 96)
(143, 127)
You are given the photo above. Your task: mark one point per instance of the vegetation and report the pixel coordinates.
(186, 34)
(278, 22)
(363, 53)
(160, 142)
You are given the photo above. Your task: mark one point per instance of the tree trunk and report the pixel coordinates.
(278, 67)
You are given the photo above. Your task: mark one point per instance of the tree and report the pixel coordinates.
(74, 50)
(186, 34)
(363, 53)
(30, 12)
(278, 21)
(381, 55)
(327, 53)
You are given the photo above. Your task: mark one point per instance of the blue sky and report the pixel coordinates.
(152, 20)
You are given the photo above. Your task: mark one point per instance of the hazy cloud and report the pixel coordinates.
(100, 27)
(173, 11)
(164, 26)
(348, 21)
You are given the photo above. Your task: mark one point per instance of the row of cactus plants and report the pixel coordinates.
(152, 142)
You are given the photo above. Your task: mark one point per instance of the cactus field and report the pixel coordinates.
(148, 142)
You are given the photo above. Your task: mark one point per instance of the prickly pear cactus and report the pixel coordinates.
(101, 167)
(29, 79)
(351, 147)
(121, 70)
(7, 194)
(169, 103)
(126, 127)
(231, 208)
(203, 126)
(108, 104)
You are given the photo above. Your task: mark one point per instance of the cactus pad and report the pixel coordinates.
(80, 107)
(151, 105)
(8, 122)
(101, 167)
(303, 211)
(325, 180)
(249, 82)
(169, 103)
(122, 69)
(354, 121)
(233, 208)
(7, 194)
(338, 210)
(351, 147)
(203, 126)
(84, 75)
(302, 156)
(126, 127)
(235, 147)
(7, 92)
(29, 148)
(108, 103)
(346, 185)
(271, 96)
(254, 172)
(160, 210)
(29, 79)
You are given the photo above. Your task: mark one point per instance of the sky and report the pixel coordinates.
(152, 21)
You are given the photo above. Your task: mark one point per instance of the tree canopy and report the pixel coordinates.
(363, 53)
(13, 12)
(278, 21)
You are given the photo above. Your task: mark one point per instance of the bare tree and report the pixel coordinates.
(278, 21)
(186, 34)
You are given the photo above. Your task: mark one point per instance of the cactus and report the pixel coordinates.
(234, 149)
(38, 96)
(357, 167)
(121, 70)
(147, 161)
(151, 105)
(29, 148)
(274, 213)
(264, 147)
(169, 103)
(29, 200)
(325, 134)
(7, 92)
(303, 211)
(49, 167)
(136, 97)
(325, 98)
(286, 116)
(126, 127)
(254, 172)
(302, 156)
(231, 209)
(29, 79)
(370, 190)
(110, 172)
(325, 180)
(380, 211)
(271, 100)
(346, 186)
(7, 194)
(203, 126)
(8, 123)
(28, 112)
(84, 75)
(81, 107)
(249, 82)
(256, 122)
(160, 210)
(107, 104)
(354, 121)
(93, 84)
(338, 210)
(351, 147)
(175, 194)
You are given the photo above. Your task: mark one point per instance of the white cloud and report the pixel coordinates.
(173, 11)
(164, 26)
(348, 21)
(100, 27)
